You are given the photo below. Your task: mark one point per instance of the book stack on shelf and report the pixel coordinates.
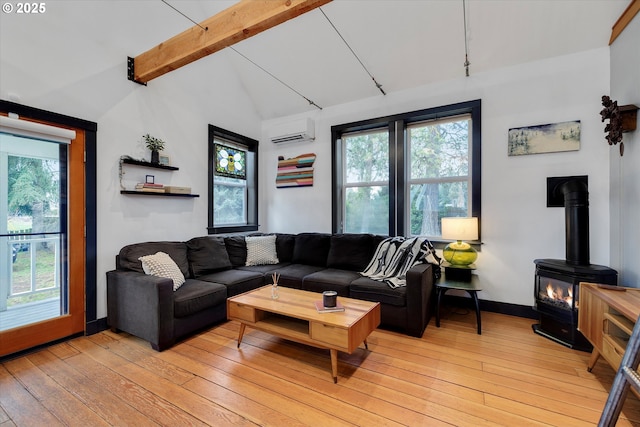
(173, 189)
(146, 187)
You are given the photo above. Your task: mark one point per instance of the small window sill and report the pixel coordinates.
(232, 229)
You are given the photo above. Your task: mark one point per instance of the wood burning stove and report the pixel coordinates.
(557, 282)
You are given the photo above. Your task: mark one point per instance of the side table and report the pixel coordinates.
(471, 286)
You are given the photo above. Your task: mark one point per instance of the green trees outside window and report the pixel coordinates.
(367, 182)
(400, 175)
(439, 180)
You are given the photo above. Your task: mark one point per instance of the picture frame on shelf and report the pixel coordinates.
(150, 179)
(165, 160)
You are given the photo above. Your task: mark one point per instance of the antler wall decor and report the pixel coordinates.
(621, 119)
(612, 112)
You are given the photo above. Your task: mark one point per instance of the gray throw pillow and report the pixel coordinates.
(261, 250)
(129, 256)
(161, 265)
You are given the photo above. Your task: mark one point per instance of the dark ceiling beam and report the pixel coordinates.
(239, 22)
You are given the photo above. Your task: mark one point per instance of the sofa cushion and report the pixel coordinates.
(372, 290)
(261, 250)
(376, 239)
(161, 265)
(330, 279)
(236, 249)
(236, 281)
(265, 270)
(196, 295)
(350, 251)
(129, 256)
(207, 254)
(291, 276)
(285, 244)
(311, 249)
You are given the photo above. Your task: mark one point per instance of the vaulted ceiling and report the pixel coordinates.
(402, 43)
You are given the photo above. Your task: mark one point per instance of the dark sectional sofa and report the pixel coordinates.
(214, 267)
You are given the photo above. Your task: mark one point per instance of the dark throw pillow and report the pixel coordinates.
(311, 249)
(350, 251)
(285, 244)
(237, 250)
(207, 255)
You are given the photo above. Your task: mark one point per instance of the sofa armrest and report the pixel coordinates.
(420, 291)
(141, 305)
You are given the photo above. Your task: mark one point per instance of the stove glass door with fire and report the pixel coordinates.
(556, 295)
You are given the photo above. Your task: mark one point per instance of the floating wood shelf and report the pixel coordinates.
(149, 164)
(142, 163)
(153, 193)
(629, 114)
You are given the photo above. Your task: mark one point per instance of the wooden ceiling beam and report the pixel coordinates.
(239, 22)
(624, 20)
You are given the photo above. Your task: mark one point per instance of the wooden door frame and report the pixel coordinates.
(81, 231)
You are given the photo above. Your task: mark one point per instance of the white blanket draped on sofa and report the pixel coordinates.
(396, 255)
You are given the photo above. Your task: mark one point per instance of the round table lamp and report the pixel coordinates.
(459, 229)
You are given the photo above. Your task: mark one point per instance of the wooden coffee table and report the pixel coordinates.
(293, 316)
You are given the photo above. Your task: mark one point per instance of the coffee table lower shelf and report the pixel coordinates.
(294, 317)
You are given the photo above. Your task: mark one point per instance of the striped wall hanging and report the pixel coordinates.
(296, 171)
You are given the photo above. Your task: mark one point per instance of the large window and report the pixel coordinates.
(366, 186)
(233, 182)
(401, 175)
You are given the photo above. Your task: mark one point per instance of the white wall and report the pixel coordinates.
(625, 173)
(517, 227)
(51, 68)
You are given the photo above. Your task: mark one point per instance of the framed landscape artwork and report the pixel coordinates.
(547, 138)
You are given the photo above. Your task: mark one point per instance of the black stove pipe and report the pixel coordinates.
(576, 212)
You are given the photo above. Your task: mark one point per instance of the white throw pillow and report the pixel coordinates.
(162, 265)
(261, 250)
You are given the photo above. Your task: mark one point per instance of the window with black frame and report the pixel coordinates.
(233, 182)
(400, 175)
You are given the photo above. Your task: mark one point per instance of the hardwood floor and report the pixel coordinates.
(452, 376)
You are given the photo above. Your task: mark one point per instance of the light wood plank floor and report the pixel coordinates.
(452, 376)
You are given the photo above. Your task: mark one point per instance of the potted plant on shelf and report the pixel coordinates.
(155, 145)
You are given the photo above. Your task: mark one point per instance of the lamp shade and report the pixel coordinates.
(458, 228)
(460, 253)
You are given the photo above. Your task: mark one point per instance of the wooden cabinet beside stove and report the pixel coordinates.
(606, 317)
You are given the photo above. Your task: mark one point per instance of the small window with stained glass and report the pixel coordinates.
(233, 182)
(230, 161)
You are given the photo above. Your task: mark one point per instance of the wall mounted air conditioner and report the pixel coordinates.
(297, 130)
